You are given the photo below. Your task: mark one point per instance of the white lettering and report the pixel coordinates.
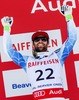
(54, 9)
(35, 7)
(50, 5)
(55, 92)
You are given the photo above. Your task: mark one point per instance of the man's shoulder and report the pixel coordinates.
(57, 50)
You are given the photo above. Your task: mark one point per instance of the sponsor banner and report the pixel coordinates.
(30, 16)
(76, 46)
(77, 72)
(0, 43)
(16, 83)
(50, 3)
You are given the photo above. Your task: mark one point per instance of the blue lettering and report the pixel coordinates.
(15, 86)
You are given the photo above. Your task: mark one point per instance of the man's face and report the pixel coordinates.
(40, 44)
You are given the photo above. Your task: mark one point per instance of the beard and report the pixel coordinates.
(41, 49)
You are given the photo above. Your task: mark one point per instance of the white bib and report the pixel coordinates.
(45, 75)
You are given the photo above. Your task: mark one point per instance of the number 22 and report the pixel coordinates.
(49, 76)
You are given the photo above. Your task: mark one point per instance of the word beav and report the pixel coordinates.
(50, 5)
(26, 85)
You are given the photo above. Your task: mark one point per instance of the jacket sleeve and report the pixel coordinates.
(14, 55)
(69, 43)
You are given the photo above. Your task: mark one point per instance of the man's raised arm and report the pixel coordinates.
(72, 33)
(7, 43)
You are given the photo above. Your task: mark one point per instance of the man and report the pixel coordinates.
(44, 69)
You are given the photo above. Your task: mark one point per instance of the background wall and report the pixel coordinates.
(30, 16)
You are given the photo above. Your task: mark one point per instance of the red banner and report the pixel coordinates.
(30, 16)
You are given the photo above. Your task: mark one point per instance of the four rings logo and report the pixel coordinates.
(39, 93)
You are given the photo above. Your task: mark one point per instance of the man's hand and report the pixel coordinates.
(66, 11)
(7, 23)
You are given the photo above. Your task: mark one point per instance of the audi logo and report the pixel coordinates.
(39, 93)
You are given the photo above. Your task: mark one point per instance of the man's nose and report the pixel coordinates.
(40, 40)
